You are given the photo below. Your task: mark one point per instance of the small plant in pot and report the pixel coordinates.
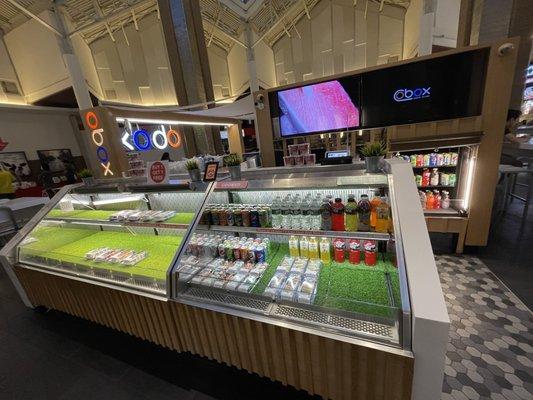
(86, 176)
(194, 170)
(373, 153)
(233, 162)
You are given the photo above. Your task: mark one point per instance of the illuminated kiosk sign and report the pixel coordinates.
(97, 136)
(160, 139)
(411, 94)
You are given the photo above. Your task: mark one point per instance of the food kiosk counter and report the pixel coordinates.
(251, 274)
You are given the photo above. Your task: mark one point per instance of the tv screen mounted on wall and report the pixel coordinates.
(321, 107)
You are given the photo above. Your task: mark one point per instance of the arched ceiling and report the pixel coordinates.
(224, 20)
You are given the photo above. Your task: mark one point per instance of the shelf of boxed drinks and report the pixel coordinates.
(306, 232)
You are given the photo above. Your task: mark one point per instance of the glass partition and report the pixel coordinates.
(125, 238)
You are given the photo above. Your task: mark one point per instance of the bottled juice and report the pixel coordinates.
(430, 200)
(445, 201)
(325, 215)
(437, 197)
(325, 250)
(426, 177)
(422, 199)
(382, 220)
(363, 209)
(339, 245)
(373, 207)
(304, 247)
(313, 248)
(351, 214)
(337, 215)
(293, 246)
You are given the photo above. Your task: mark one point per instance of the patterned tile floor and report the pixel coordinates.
(490, 350)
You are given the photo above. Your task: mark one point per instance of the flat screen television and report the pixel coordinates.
(322, 107)
(435, 89)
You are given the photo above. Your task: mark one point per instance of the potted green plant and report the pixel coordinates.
(373, 153)
(233, 162)
(86, 176)
(194, 170)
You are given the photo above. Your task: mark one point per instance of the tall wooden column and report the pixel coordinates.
(187, 54)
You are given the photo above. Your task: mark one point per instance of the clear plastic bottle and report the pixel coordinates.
(325, 215)
(313, 248)
(325, 250)
(316, 218)
(363, 209)
(337, 215)
(306, 214)
(304, 247)
(445, 201)
(351, 213)
(296, 212)
(373, 207)
(276, 213)
(286, 212)
(293, 246)
(382, 213)
(422, 199)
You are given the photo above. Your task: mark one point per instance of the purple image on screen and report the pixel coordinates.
(314, 108)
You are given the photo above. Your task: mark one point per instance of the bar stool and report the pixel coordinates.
(509, 174)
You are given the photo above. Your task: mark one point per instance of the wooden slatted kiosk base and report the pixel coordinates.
(324, 366)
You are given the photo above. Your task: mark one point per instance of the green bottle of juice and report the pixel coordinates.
(351, 214)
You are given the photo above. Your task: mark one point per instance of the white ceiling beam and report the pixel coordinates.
(107, 18)
(35, 17)
(307, 9)
(227, 35)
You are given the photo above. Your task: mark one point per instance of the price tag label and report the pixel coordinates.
(231, 185)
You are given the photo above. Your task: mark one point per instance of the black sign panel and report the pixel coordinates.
(435, 89)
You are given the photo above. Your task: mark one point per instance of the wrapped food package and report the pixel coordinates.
(299, 265)
(313, 268)
(259, 269)
(277, 280)
(234, 281)
(286, 264)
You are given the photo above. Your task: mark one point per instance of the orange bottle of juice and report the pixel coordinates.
(374, 203)
(430, 201)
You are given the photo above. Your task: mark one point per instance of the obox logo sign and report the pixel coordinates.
(97, 136)
(412, 94)
(159, 139)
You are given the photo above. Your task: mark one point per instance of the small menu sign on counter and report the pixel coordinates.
(157, 172)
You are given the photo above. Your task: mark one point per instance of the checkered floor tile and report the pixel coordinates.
(490, 351)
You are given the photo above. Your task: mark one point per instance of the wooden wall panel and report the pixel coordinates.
(319, 365)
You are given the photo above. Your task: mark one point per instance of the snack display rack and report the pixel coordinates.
(228, 292)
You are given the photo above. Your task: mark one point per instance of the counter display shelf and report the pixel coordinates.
(261, 274)
(339, 285)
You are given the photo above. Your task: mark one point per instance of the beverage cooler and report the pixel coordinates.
(323, 280)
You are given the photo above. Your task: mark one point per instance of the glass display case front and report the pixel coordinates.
(125, 238)
(316, 251)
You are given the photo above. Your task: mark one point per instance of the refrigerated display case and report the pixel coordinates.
(235, 289)
(260, 249)
(127, 238)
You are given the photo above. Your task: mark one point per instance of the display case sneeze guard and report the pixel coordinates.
(347, 298)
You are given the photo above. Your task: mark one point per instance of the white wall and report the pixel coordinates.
(338, 38)
(446, 23)
(85, 58)
(238, 69)
(135, 70)
(7, 73)
(412, 28)
(29, 131)
(37, 59)
(218, 63)
(264, 64)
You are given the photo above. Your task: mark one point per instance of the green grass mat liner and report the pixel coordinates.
(346, 286)
(276, 255)
(358, 288)
(161, 249)
(179, 218)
